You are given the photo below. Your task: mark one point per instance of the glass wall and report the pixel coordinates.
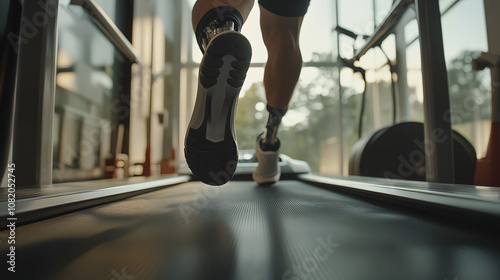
(470, 90)
(82, 121)
(414, 77)
(114, 119)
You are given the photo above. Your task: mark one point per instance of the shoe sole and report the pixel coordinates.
(210, 146)
(267, 180)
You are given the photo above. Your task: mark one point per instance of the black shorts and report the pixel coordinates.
(286, 8)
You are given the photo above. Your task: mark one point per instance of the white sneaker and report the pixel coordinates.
(268, 170)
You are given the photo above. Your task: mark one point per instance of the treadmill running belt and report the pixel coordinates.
(290, 230)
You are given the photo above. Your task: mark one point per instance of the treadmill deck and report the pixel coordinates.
(290, 230)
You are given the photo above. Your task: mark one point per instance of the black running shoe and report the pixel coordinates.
(210, 148)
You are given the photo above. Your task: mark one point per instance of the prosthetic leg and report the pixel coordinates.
(267, 149)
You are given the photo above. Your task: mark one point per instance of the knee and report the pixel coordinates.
(281, 40)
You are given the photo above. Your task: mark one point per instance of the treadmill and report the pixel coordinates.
(306, 226)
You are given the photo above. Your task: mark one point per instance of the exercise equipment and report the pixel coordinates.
(398, 152)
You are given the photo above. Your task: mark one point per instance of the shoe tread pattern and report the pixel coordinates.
(226, 44)
(215, 163)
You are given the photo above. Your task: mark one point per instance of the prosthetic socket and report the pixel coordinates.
(215, 21)
(270, 140)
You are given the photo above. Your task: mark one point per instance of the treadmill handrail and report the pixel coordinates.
(109, 28)
(384, 29)
(423, 197)
(37, 208)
